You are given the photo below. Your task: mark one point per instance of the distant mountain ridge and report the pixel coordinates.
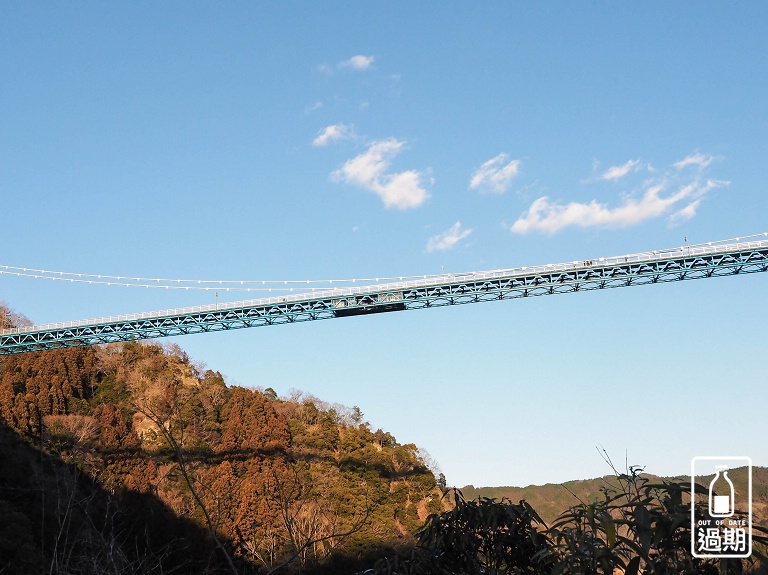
(552, 499)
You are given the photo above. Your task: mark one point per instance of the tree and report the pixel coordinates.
(639, 527)
(475, 537)
(313, 520)
(166, 415)
(10, 318)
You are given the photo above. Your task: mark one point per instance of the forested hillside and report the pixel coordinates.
(132, 458)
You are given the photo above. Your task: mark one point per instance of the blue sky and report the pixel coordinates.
(294, 141)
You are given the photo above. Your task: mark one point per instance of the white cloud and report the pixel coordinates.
(448, 239)
(495, 175)
(686, 213)
(402, 190)
(313, 107)
(333, 133)
(550, 217)
(358, 62)
(618, 172)
(699, 160)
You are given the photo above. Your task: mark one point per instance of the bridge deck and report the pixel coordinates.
(701, 261)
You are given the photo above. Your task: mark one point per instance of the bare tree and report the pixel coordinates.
(313, 528)
(11, 319)
(171, 427)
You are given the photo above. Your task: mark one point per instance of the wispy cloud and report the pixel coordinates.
(358, 62)
(495, 175)
(617, 172)
(333, 133)
(698, 160)
(369, 170)
(313, 107)
(686, 213)
(668, 195)
(448, 239)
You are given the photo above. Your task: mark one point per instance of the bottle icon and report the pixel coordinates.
(721, 505)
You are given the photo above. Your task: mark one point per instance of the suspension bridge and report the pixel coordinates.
(735, 257)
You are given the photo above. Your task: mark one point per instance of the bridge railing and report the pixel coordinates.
(709, 248)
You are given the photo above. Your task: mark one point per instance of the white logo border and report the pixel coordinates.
(744, 459)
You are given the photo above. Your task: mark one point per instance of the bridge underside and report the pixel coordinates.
(465, 289)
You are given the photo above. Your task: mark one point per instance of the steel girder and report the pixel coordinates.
(590, 276)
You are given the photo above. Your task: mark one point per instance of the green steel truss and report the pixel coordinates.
(686, 263)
